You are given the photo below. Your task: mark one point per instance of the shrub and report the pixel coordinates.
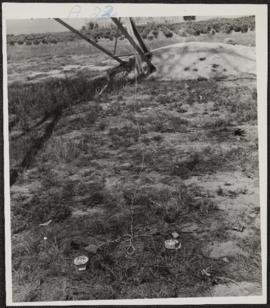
(191, 31)
(144, 35)
(189, 18)
(204, 29)
(146, 31)
(53, 40)
(228, 29)
(252, 27)
(168, 34)
(182, 33)
(216, 27)
(236, 28)
(244, 29)
(155, 32)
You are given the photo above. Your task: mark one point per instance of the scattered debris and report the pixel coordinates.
(238, 228)
(46, 223)
(226, 260)
(202, 58)
(239, 132)
(92, 248)
(175, 235)
(252, 215)
(205, 272)
(81, 262)
(45, 242)
(172, 244)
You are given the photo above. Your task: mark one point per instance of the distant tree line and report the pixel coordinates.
(189, 18)
(150, 30)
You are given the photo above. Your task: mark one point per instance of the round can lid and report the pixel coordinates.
(81, 260)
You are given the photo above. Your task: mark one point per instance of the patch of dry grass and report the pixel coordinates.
(126, 172)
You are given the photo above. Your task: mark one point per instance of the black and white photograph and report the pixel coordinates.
(132, 154)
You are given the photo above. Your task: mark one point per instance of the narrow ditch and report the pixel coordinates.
(40, 122)
(111, 80)
(30, 155)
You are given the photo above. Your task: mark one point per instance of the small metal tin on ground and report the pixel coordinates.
(172, 244)
(81, 263)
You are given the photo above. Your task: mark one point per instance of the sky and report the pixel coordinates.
(41, 25)
(27, 26)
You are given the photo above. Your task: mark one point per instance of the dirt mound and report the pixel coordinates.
(196, 60)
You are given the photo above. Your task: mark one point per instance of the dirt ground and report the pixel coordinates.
(161, 163)
(118, 174)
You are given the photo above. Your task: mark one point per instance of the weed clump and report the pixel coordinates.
(41, 208)
(52, 207)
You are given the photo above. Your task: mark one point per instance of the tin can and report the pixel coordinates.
(172, 244)
(81, 262)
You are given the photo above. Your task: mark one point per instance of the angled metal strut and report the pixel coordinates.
(128, 37)
(139, 38)
(89, 40)
(141, 49)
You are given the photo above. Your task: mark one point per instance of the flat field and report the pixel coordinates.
(113, 176)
